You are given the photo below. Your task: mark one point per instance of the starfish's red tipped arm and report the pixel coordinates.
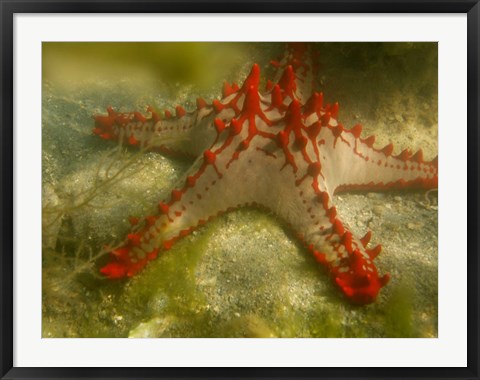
(358, 165)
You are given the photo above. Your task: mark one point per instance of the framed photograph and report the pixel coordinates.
(194, 189)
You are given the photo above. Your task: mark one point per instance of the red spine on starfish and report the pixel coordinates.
(281, 150)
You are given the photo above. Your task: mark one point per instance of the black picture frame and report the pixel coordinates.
(9, 8)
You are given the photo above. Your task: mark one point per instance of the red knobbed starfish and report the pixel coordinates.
(280, 149)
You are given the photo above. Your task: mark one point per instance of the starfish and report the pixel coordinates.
(280, 149)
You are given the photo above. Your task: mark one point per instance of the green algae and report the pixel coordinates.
(399, 318)
(168, 285)
(185, 310)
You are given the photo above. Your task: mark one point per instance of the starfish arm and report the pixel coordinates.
(297, 71)
(352, 163)
(348, 258)
(188, 133)
(303, 201)
(210, 187)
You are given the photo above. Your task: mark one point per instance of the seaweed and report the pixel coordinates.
(69, 260)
